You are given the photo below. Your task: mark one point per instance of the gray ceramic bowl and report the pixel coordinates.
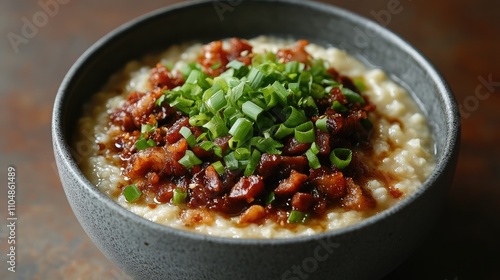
(367, 250)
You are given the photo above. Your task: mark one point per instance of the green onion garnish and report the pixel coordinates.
(143, 143)
(190, 159)
(179, 196)
(252, 163)
(217, 101)
(241, 130)
(341, 157)
(231, 161)
(132, 193)
(313, 159)
(147, 128)
(283, 131)
(281, 92)
(186, 133)
(352, 96)
(251, 110)
(304, 133)
(338, 107)
(218, 167)
(269, 198)
(297, 217)
(321, 124)
(359, 83)
(294, 116)
(216, 126)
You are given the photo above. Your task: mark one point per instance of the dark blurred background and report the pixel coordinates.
(461, 38)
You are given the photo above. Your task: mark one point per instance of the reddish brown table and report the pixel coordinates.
(460, 37)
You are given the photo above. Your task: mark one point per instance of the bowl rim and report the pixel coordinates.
(62, 149)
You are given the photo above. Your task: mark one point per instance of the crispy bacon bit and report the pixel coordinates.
(193, 217)
(298, 163)
(296, 53)
(268, 164)
(293, 147)
(253, 214)
(291, 185)
(161, 77)
(140, 108)
(240, 50)
(173, 133)
(357, 198)
(212, 180)
(215, 58)
(162, 160)
(323, 142)
(332, 185)
(302, 201)
(247, 188)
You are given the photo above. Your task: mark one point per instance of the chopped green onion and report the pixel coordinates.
(186, 133)
(206, 145)
(189, 160)
(252, 164)
(216, 126)
(352, 96)
(251, 110)
(314, 148)
(338, 107)
(281, 92)
(199, 120)
(143, 143)
(132, 193)
(341, 157)
(317, 91)
(292, 67)
(255, 78)
(231, 161)
(179, 196)
(304, 133)
(283, 131)
(266, 145)
(321, 124)
(217, 101)
(160, 100)
(312, 159)
(241, 130)
(359, 83)
(242, 153)
(297, 217)
(201, 137)
(270, 198)
(147, 128)
(218, 167)
(294, 116)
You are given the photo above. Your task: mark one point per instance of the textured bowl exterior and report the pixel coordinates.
(145, 250)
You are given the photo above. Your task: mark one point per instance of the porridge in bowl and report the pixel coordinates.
(259, 138)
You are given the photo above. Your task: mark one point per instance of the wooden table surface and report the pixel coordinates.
(462, 38)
